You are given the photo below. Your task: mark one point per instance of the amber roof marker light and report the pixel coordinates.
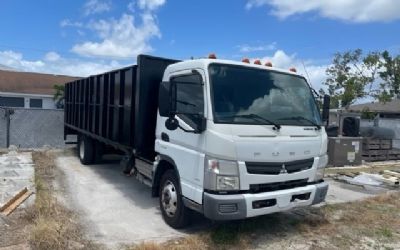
(245, 60)
(292, 69)
(268, 64)
(212, 56)
(257, 62)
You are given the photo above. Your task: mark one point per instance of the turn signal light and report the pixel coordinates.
(293, 70)
(258, 62)
(246, 60)
(212, 56)
(268, 64)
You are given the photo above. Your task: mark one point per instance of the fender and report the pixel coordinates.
(158, 170)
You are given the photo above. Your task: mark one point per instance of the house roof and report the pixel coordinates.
(31, 83)
(389, 107)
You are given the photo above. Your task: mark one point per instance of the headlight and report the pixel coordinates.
(222, 167)
(322, 162)
(221, 175)
(227, 182)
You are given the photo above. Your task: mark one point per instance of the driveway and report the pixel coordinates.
(119, 210)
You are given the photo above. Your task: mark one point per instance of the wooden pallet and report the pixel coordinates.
(377, 144)
(381, 154)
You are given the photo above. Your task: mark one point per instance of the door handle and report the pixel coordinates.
(164, 137)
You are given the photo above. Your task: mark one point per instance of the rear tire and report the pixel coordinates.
(174, 212)
(86, 150)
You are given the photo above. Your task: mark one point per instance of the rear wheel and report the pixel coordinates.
(86, 150)
(173, 210)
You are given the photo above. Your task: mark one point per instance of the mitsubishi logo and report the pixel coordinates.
(283, 170)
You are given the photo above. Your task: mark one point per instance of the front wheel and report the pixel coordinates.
(173, 210)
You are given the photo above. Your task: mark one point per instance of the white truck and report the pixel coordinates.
(228, 139)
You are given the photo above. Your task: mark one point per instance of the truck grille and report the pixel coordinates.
(275, 168)
(268, 187)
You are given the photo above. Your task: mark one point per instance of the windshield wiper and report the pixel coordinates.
(297, 118)
(257, 117)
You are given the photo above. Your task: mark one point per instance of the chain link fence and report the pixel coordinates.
(31, 128)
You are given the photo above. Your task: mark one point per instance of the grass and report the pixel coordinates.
(385, 232)
(53, 225)
(372, 224)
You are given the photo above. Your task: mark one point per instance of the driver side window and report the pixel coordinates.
(189, 97)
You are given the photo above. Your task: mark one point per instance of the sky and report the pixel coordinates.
(87, 37)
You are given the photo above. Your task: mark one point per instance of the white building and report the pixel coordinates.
(20, 100)
(29, 90)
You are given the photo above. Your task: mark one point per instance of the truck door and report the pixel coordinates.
(187, 148)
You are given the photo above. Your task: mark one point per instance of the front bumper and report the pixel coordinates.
(240, 206)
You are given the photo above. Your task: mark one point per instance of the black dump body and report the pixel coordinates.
(118, 108)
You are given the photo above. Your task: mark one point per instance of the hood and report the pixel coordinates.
(260, 143)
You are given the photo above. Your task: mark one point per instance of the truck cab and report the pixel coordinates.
(236, 140)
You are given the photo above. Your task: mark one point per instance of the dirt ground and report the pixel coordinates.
(45, 223)
(108, 216)
(14, 230)
(16, 173)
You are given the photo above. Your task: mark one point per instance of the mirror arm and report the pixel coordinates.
(194, 131)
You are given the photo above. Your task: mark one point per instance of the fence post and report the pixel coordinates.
(8, 118)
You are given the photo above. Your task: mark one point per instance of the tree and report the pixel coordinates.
(352, 76)
(59, 95)
(390, 76)
(346, 80)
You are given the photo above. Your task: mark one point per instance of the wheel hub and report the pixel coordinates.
(169, 199)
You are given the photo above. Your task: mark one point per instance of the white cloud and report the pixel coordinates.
(131, 6)
(96, 7)
(81, 32)
(15, 60)
(52, 56)
(150, 4)
(245, 48)
(69, 23)
(349, 10)
(316, 72)
(61, 66)
(121, 38)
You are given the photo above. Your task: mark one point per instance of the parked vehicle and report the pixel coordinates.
(227, 139)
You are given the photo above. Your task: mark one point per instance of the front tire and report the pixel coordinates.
(86, 150)
(174, 212)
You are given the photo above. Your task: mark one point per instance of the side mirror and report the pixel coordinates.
(325, 109)
(164, 99)
(171, 123)
(199, 126)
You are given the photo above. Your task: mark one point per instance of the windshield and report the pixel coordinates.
(242, 95)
